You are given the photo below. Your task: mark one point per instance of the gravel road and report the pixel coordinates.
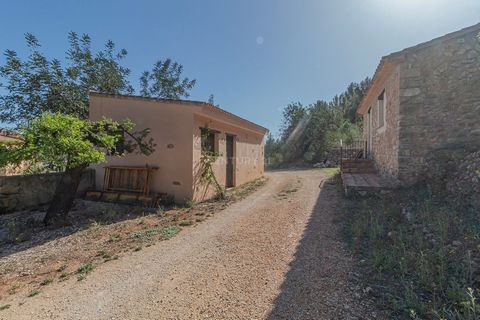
(274, 255)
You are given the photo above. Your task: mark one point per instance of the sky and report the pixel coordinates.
(254, 56)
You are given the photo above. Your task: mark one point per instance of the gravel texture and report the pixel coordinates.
(275, 255)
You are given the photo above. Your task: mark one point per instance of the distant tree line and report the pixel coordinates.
(311, 133)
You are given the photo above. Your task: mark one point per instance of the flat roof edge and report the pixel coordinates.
(200, 104)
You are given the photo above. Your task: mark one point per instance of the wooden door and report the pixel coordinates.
(230, 167)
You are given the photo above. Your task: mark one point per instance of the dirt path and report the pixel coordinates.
(275, 255)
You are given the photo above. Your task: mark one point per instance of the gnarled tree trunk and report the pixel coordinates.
(65, 191)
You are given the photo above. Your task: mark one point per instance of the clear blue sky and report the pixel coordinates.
(255, 56)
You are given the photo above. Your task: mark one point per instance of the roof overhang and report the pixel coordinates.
(384, 71)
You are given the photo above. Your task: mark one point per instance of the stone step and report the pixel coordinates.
(364, 184)
(359, 170)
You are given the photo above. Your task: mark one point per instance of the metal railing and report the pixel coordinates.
(354, 150)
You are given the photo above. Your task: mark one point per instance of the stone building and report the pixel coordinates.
(424, 99)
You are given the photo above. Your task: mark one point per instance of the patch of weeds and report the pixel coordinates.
(84, 270)
(189, 203)
(421, 250)
(246, 189)
(13, 289)
(103, 253)
(64, 276)
(160, 211)
(33, 293)
(106, 255)
(169, 232)
(18, 231)
(115, 237)
(167, 200)
(94, 226)
(144, 235)
(114, 257)
(4, 307)
(185, 223)
(46, 282)
(174, 218)
(292, 190)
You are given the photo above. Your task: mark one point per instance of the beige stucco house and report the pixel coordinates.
(423, 99)
(178, 130)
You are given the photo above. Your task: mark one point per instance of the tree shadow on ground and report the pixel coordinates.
(24, 230)
(316, 286)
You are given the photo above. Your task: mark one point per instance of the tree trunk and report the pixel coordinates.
(64, 196)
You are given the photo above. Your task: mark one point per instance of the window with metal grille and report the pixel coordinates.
(208, 140)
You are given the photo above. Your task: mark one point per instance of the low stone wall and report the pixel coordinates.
(23, 192)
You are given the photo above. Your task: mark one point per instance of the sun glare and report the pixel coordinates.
(402, 5)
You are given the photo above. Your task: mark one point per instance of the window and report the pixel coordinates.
(208, 140)
(381, 109)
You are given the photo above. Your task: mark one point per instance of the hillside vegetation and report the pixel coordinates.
(310, 133)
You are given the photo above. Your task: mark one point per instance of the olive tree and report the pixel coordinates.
(69, 145)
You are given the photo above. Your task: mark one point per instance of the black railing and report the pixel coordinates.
(354, 150)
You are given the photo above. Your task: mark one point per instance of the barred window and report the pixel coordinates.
(208, 140)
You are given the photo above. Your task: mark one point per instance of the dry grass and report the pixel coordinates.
(420, 254)
(103, 232)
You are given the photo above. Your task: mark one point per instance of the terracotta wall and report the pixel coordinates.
(248, 153)
(171, 130)
(175, 128)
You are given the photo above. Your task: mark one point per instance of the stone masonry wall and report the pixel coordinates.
(439, 102)
(32, 191)
(385, 141)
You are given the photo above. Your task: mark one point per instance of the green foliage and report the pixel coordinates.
(205, 175)
(84, 270)
(185, 223)
(311, 133)
(46, 282)
(33, 293)
(165, 81)
(273, 154)
(61, 142)
(37, 85)
(168, 232)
